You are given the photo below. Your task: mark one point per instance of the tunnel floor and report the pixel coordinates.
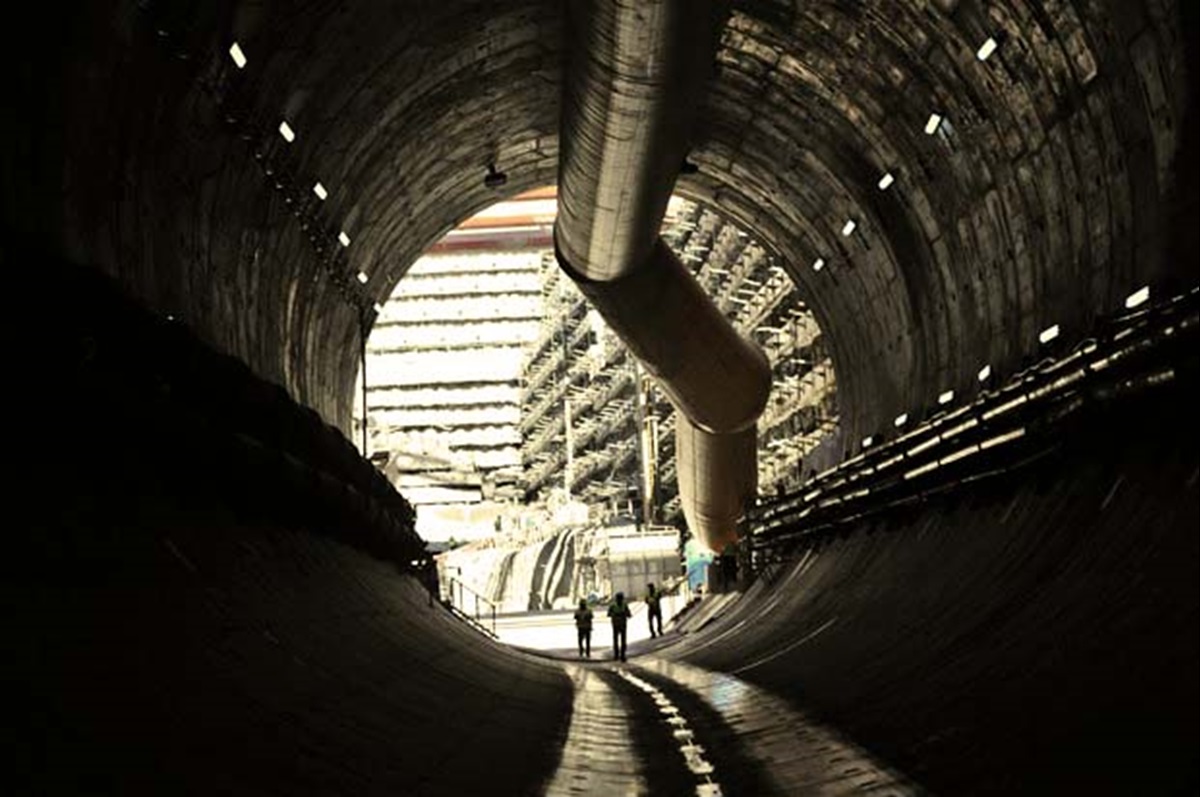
(651, 726)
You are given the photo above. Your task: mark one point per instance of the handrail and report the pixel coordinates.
(1001, 429)
(455, 600)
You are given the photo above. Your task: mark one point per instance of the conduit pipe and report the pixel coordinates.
(636, 71)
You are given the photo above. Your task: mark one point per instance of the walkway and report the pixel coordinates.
(657, 727)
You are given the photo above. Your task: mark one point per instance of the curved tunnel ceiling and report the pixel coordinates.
(1040, 199)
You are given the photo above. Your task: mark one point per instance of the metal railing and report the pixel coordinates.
(469, 605)
(1001, 430)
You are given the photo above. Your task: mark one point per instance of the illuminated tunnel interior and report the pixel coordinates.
(203, 203)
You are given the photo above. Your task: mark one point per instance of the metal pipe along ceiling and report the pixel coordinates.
(635, 73)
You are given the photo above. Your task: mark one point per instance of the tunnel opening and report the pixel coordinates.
(188, 618)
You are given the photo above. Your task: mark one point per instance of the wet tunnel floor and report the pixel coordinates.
(657, 727)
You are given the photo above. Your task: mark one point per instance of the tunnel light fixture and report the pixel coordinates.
(320, 191)
(239, 57)
(343, 239)
(931, 126)
(868, 441)
(985, 373)
(378, 307)
(1138, 297)
(986, 49)
(946, 397)
(849, 227)
(818, 264)
(901, 419)
(1048, 334)
(363, 278)
(285, 130)
(886, 181)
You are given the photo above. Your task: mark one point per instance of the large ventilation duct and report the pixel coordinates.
(635, 74)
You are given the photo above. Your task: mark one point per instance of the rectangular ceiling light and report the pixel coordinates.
(818, 264)
(867, 441)
(946, 398)
(343, 239)
(901, 419)
(848, 228)
(1138, 297)
(363, 278)
(286, 131)
(1048, 334)
(886, 181)
(985, 373)
(320, 191)
(935, 121)
(239, 57)
(986, 49)
(378, 307)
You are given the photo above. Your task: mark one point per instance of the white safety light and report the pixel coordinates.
(1138, 297)
(986, 49)
(286, 131)
(818, 264)
(363, 278)
(239, 57)
(848, 228)
(935, 121)
(946, 397)
(1048, 334)
(901, 419)
(985, 373)
(886, 181)
(320, 191)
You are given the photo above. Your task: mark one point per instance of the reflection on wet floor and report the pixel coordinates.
(598, 756)
(793, 754)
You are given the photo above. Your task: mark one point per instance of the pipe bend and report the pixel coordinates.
(712, 375)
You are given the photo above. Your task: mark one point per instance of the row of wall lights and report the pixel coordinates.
(289, 135)
(932, 125)
(1050, 333)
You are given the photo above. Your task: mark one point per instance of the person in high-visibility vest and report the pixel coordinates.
(619, 612)
(583, 628)
(654, 609)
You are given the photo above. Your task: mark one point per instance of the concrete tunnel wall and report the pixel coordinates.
(129, 144)
(1049, 193)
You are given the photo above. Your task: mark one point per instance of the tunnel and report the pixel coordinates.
(989, 207)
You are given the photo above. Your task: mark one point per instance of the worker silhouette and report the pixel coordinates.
(583, 629)
(654, 610)
(619, 613)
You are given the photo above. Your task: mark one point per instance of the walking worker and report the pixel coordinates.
(619, 613)
(583, 627)
(654, 610)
